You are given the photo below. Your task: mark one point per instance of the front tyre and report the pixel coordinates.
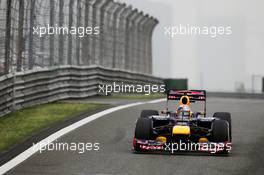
(143, 131)
(227, 117)
(220, 131)
(147, 113)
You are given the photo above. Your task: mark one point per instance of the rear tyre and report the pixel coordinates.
(147, 113)
(143, 131)
(227, 117)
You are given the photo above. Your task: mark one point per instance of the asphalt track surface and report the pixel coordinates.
(115, 131)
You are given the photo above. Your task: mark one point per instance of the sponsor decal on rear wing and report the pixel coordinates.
(194, 95)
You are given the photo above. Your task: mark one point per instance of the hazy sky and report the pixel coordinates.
(226, 63)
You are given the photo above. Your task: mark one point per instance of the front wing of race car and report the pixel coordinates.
(154, 145)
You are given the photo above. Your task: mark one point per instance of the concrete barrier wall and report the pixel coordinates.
(235, 95)
(35, 87)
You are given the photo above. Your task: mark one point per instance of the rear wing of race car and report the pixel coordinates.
(194, 95)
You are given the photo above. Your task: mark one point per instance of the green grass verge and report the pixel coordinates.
(17, 126)
(137, 96)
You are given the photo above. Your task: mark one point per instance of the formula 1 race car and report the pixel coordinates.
(183, 129)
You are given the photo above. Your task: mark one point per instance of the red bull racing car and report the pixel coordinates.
(183, 129)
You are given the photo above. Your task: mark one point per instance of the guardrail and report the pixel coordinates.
(35, 87)
(235, 95)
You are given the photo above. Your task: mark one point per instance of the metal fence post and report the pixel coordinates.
(7, 36)
(116, 36)
(20, 39)
(136, 46)
(106, 35)
(262, 84)
(128, 41)
(103, 28)
(145, 45)
(123, 37)
(95, 38)
(78, 44)
(85, 42)
(142, 38)
(93, 24)
(69, 54)
(154, 22)
(31, 41)
(51, 42)
(61, 37)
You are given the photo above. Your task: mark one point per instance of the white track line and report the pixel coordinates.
(35, 148)
(155, 101)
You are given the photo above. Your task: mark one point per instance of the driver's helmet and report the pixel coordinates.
(184, 111)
